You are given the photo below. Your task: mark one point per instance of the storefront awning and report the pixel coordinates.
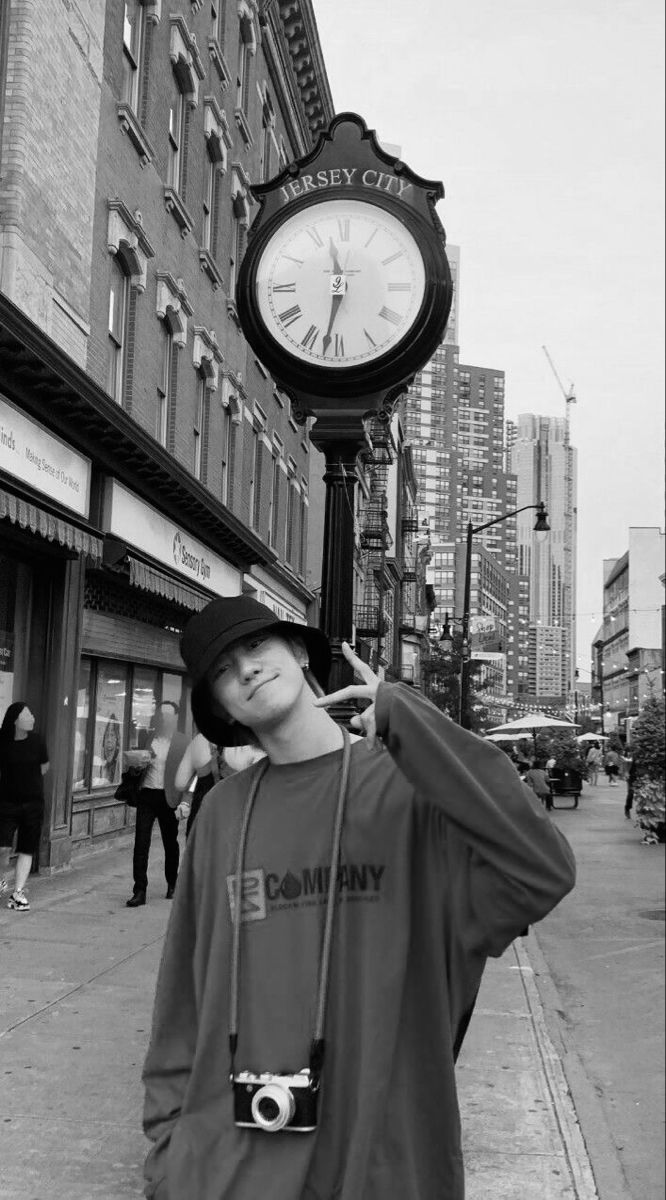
(149, 579)
(54, 529)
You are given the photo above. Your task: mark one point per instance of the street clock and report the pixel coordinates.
(345, 288)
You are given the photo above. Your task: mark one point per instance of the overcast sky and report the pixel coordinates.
(545, 123)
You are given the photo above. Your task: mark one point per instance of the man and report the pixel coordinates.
(592, 761)
(157, 800)
(445, 857)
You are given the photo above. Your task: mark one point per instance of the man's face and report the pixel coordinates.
(258, 680)
(167, 721)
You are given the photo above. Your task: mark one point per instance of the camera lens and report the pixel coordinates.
(273, 1107)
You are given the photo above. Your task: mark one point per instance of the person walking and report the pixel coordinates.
(593, 762)
(612, 766)
(158, 798)
(195, 768)
(24, 761)
(332, 919)
(632, 770)
(537, 778)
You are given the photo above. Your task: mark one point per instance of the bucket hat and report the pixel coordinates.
(210, 632)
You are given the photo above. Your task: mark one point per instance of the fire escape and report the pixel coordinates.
(374, 616)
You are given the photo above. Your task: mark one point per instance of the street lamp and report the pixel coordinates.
(540, 526)
(446, 637)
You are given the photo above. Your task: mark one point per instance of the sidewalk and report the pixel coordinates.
(76, 990)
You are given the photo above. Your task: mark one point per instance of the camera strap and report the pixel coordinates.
(318, 1044)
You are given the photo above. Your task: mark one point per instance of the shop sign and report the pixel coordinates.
(6, 669)
(142, 526)
(282, 611)
(43, 461)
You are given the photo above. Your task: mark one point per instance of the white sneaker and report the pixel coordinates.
(19, 901)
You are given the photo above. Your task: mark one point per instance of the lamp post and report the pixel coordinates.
(541, 526)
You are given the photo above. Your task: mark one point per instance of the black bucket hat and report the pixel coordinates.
(220, 624)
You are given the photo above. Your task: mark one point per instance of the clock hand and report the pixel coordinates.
(336, 300)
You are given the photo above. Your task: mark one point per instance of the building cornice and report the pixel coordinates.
(48, 385)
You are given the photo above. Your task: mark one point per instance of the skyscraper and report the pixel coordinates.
(455, 424)
(544, 463)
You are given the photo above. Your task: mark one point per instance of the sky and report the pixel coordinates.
(545, 123)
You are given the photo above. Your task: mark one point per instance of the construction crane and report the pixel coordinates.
(569, 396)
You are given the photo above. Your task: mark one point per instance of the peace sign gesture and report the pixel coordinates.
(367, 690)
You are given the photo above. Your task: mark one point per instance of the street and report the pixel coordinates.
(604, 948)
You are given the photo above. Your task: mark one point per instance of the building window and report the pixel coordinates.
(290, 521)
(302, 549)
(274, 506)
(217, 22)
(226, 454)
(119, 292)
(134, 32)
(240, 219)
(246, 49)
(176, 164)
(267, 135)
(208, 204)
(198, 431)
(164, 387)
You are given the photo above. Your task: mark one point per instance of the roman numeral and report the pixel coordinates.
(399, 287)
(343, 229)
(371, 341)
(298, 261)
(391, 258)
(373, 234)
(310, 337)
(287, 287)
(389, 315)
(339, 346)
(313, 232)
(290, 315)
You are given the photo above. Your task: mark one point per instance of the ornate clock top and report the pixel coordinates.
(345, 288)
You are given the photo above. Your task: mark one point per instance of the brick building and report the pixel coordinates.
(147, 460)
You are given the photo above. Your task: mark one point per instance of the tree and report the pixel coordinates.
(648, 743)
(442, 683)
(561, 745)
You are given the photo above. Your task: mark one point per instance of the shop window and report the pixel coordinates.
(119, 294)
(109, 724)
(115, 707)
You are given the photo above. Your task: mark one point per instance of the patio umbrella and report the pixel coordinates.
(592, 737)
(501, 737)
(532, 723)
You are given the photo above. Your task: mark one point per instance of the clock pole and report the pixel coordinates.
(340, 441)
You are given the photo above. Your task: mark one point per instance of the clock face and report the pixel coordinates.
(340, 283)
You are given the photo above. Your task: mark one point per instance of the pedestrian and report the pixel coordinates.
(537, 778)
(330, 928)
(158, 799)
(612, 766)
(194, 777)
(593, 762)
(632, 769)
(24, 761)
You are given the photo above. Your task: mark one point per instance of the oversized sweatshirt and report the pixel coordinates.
(446, 857)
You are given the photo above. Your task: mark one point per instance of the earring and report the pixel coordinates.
(305, 665)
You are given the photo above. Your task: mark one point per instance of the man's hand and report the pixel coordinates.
(367, 690)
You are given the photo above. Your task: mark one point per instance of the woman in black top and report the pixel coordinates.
(24, 761)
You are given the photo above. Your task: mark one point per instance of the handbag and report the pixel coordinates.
(131, 782)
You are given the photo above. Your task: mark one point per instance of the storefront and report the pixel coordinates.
(154, 576)
(45, 543)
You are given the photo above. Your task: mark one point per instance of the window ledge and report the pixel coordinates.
(243, 125)
(130, 125)
(210, 268)
(179, 212)
(219, 62)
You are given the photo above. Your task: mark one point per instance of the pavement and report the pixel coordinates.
(76, 990)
